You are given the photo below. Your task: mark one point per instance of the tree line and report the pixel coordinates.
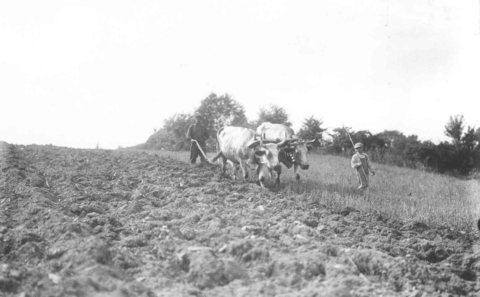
(219, 111)
(460, 156)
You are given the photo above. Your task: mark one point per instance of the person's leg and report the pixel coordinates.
(362, 179)
(193, 152)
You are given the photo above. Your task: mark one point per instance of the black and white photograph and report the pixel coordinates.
(239, 148)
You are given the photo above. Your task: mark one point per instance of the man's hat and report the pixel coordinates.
(358, 144)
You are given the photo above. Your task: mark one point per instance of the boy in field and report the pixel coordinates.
(361, 163)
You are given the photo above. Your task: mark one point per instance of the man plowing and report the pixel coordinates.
(198, 135)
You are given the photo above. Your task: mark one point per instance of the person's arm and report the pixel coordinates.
(356, 162)
(189, 132)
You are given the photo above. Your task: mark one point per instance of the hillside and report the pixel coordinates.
(159, 140)
(127, 223)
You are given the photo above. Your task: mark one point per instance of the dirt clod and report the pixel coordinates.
(127, 223)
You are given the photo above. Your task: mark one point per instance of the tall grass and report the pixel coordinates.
(400, 193)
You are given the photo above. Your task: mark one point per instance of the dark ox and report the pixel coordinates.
(240, 146)
(295, 153)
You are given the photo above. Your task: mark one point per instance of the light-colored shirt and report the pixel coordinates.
(356, 161)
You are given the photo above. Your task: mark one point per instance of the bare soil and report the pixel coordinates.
(123, 223)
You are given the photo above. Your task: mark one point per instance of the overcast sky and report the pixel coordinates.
(82, 73)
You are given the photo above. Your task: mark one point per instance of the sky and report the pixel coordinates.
(88, 74)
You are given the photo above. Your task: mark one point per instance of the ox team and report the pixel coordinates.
(240, 146)
(263, 149)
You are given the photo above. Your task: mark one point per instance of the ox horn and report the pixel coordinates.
(284, 141)
(316, 140)
(254, 143)
(295, 140)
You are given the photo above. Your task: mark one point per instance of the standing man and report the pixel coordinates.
(199, 133)
(362, 164)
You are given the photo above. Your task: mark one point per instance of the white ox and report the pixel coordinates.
(295, 153)
(240, 146)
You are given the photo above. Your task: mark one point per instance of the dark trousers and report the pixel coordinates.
(195, 152)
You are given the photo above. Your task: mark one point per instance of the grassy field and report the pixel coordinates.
(399, 193)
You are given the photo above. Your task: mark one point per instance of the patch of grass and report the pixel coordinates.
(400, 193)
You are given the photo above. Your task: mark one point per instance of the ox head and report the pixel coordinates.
(296, 152)
(266, 154)
(266, 151)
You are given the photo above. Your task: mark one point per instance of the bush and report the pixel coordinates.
(164, 140)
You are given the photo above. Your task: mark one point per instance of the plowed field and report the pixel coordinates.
(124, 223)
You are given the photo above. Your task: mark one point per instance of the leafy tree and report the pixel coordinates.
(221, 111)
(311, 128)
(428, 154)
(470, 138)
(401, 150)
(460, 157)
(454, 128)
(275, 114)
(177, 126)
(393, 138)
(163, 140)
(340, 142)
(369, 140)
(363, 137)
